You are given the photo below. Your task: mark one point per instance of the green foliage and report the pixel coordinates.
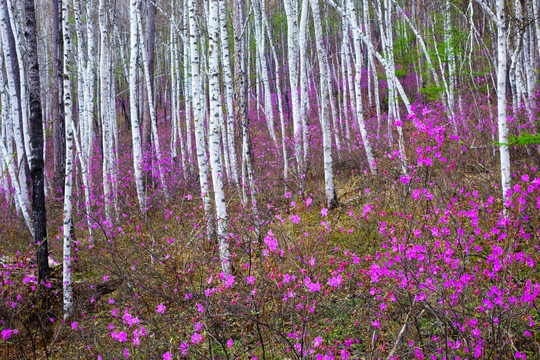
(404, 53)
(432, 92)
(401, 72)
(524, 139)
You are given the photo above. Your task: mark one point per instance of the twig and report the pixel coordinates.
(400, 335)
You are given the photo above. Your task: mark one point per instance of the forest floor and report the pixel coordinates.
(417, 265)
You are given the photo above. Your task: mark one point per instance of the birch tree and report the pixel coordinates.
(499, 18)
(358, 89)
(263, 69)
(148, 64)
(56, 105)
(67, 221)
(280, 104)
(198, 120)
(8, 155)
(214, 138)
(240, 94)
(39, 214)
(133, 111)
(229, 92)
(331, 200)
(291, 10)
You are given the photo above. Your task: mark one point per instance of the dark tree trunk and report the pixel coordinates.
(150, 56)
(36, 139)
(59, 140)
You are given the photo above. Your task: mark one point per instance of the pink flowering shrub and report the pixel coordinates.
(422, 265)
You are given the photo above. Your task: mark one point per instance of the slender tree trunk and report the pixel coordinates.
(20, 157)
(57, 107)
(20, 198)
(216, 118)
(16, 36)
(67, 221)
(150, 51)
(148, 70)
(105, 82)
(263, 69)
(36, 137)
(229, 93)
(501, 97)
(198, 118)
(449, 49)
(331, 200)
(292, 53)
(358, 90)
(134, 112)
(280, 104)
(240, 94)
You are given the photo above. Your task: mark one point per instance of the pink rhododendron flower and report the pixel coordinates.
(161, 308)
(200, 308)
(335, 281)
(229, 281)
(196, 338)
(6, 334)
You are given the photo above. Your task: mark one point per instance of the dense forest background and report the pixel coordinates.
(334, 179)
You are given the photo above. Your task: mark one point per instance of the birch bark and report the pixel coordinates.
(358, 90)
(198, 118)
(67, 216)
(214, 135)
(133, 110)
(331, 200)
(292, 55)
(229, 92)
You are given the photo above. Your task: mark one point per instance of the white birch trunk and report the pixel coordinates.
(536, 17)
(387, 66)
(280, 105)
(501, 97)
(263, 70)
(177, 134)
(304, 83)
(292, 54)
(134, 113)
(499, 18)
(188, 87)
(358, 90)
(198, 118)
(67, 221)
(229, 93)
(85, 104)
(331, 200)
(88, 138)
(345, 94)
(449, 48)
(105, 103)
(15, 121)
(7, 151)
(25, 104)
(152, 109)
(214, 137)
